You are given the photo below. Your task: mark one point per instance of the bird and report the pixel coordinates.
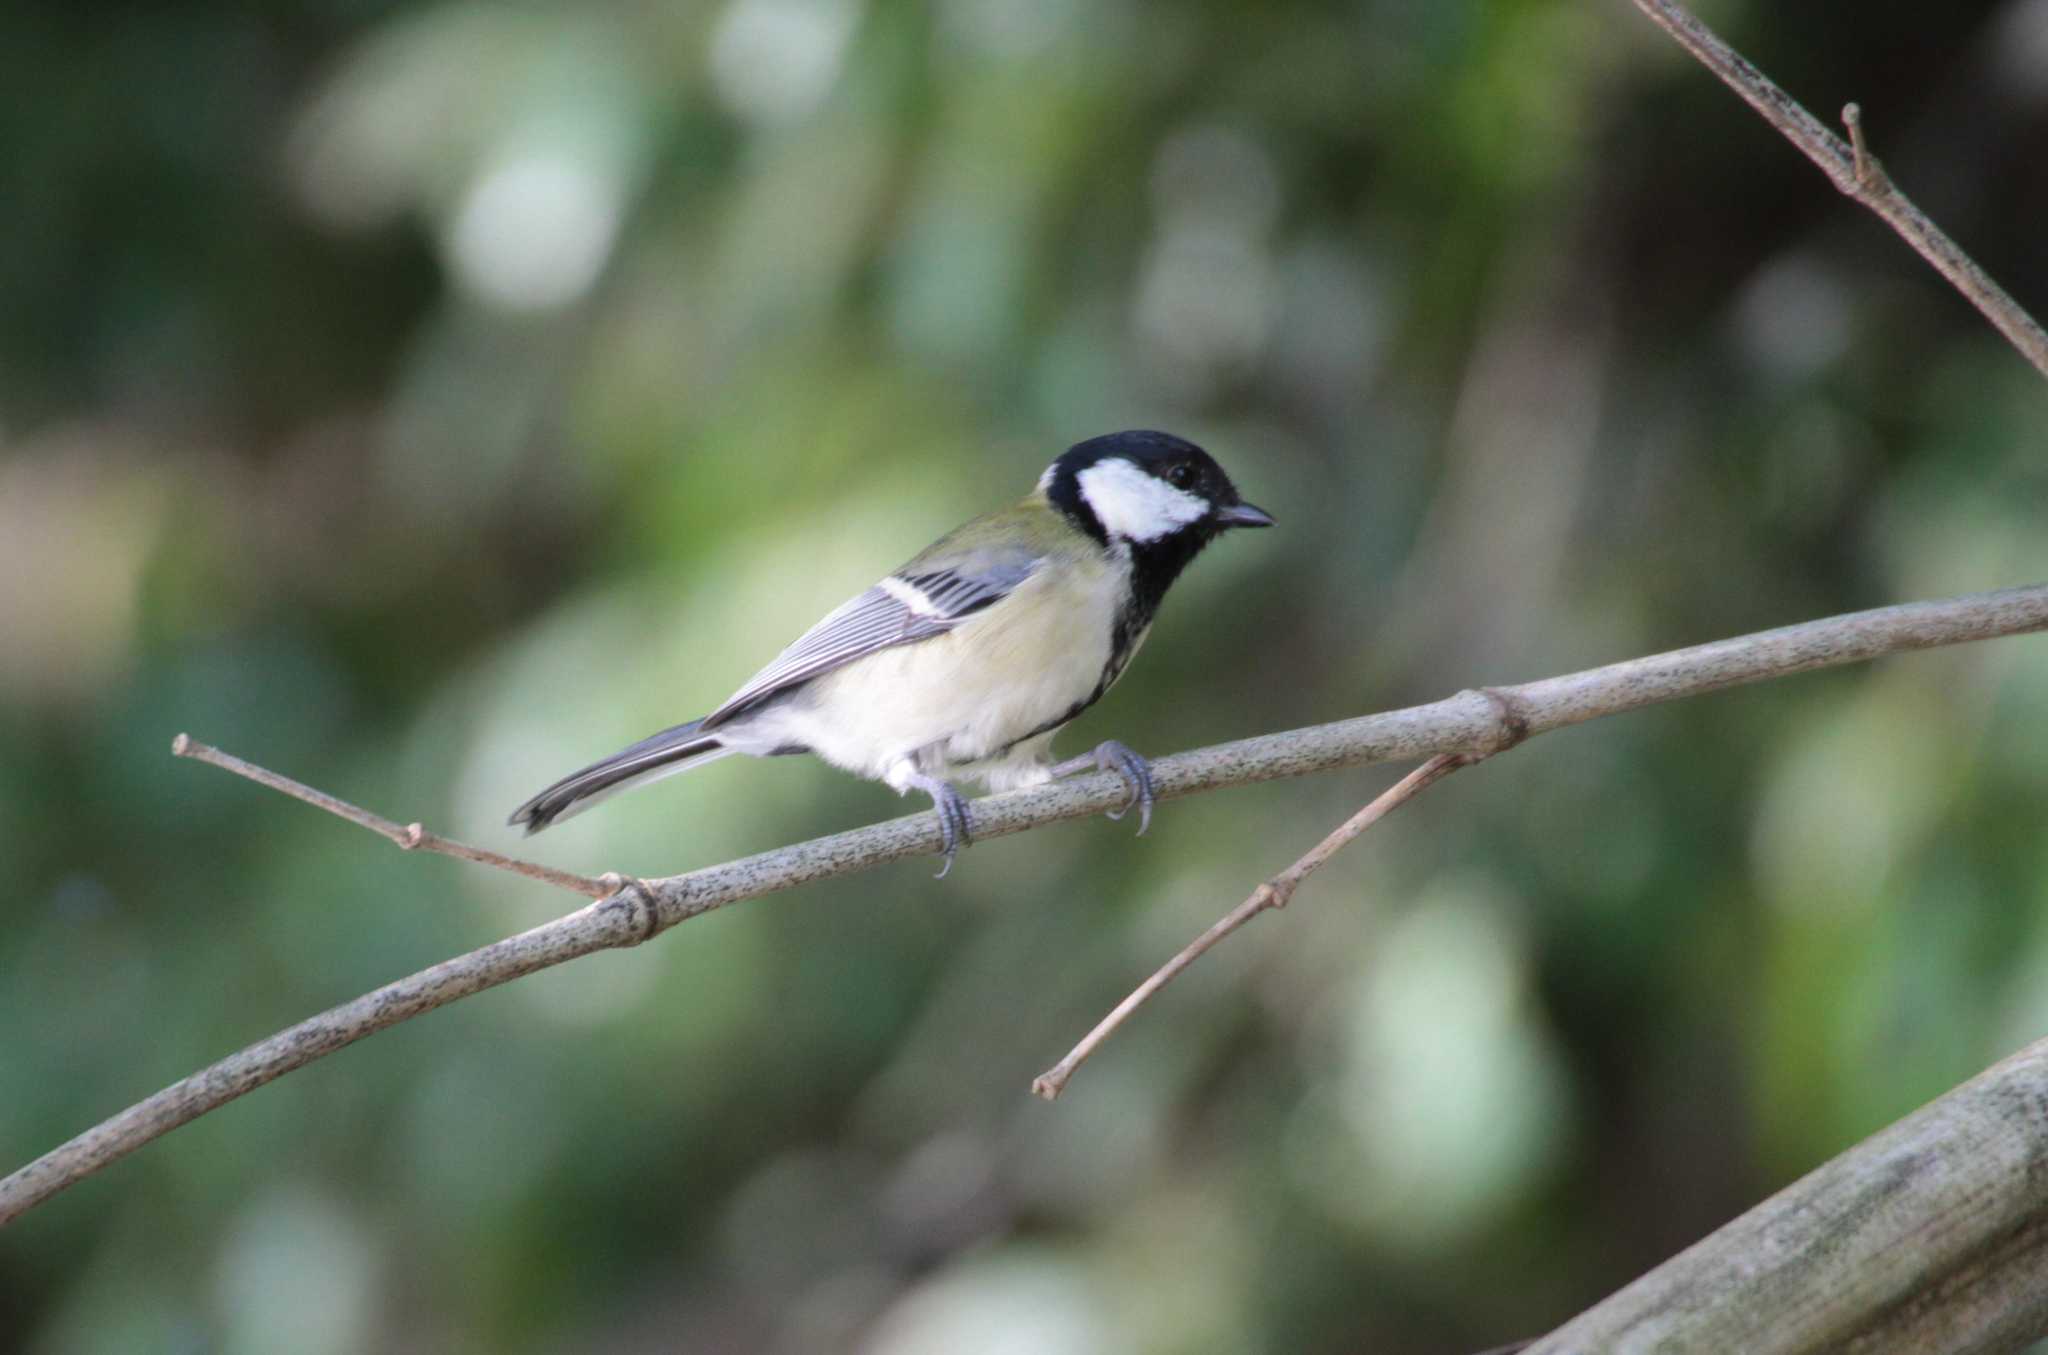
(966, 661)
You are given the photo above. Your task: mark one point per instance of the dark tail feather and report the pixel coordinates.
(664, 754)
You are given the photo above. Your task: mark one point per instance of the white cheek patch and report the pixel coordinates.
(1134, 505)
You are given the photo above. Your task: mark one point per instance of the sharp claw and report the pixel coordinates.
(1112, 756)
(955, 829)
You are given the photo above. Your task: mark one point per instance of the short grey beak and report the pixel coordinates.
(1244, 515)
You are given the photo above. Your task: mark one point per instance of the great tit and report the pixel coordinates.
(967, 660)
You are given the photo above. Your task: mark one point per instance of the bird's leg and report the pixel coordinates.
(1111, 756)
(955, 830)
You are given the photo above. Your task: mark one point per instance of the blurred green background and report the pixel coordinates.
(425, 399)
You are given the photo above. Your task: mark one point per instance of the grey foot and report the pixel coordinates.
(1111, 756)
(955, 829)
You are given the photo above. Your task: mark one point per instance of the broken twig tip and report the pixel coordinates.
(1045, 1089)
(1852, 118)
(181, 745)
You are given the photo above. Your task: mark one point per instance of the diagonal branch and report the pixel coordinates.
(1274, 893)
(1856, 172)
(1474, 721)
(411, 837)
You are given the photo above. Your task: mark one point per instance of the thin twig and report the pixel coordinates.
(1274, 893)
(1856, 173)
(1467, 722)
(410, 837)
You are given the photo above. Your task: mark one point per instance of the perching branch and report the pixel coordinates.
(1930, 1236)
(1274, 893)
(1470, 722)
(1856, 173)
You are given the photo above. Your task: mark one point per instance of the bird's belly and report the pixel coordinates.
(966, 696)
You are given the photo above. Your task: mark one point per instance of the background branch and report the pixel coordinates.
(1928, 1236)
(1856, 173)
(1471, 721)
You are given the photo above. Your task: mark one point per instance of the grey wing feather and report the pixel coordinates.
(957, 591)
(929, 598)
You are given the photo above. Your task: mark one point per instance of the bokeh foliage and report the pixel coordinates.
(423, 399)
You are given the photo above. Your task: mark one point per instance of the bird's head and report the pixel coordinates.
(1143, 489)
(1152, 498)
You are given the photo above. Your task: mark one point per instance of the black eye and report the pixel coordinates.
(1180, 475)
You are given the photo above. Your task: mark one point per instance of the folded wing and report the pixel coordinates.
(927, 597)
